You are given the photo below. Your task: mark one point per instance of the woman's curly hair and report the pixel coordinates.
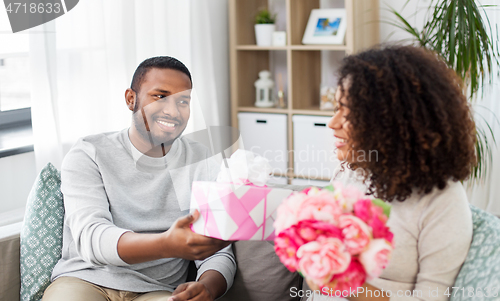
(407, 106)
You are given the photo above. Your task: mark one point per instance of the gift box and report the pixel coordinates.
(236, 212)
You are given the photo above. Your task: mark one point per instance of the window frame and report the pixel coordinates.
(13, 118)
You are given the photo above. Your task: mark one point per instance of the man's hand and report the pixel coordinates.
(177, 242)
(181, 242)
(192, 291)
(209, 287)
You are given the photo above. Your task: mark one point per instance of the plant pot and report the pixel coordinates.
(264, 34)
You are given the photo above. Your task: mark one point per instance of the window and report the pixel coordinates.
(14, 76)
(15, 98)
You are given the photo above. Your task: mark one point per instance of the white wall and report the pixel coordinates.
(17, 175)
(220, 40)
(414, 12)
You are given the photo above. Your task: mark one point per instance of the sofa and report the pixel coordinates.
(260, 275)
(263, 277)
(28, 250)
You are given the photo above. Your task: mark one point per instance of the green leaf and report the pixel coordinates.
(329, 188)
(406, 25)
(460, 32)
(384, 205)
(264, 16)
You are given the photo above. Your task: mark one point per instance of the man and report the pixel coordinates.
(126, 194)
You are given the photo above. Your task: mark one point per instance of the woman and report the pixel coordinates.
(403, 118)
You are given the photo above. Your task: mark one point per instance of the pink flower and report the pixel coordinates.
(375, 218)
(356, 233)
(321, 207)
(380, 230)
(363, 209)
(289, 240)
(287, 212)
(353, 277)
(320, 260)
(310, 230)
(376, 257)
(306, 191)
(286, 244)
(346, 196)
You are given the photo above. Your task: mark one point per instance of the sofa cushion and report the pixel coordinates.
(260, 274)
(480, 274)
(9, 262)
(41, 234)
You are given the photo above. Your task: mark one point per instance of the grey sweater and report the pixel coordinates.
(110, 188)
(432, 235)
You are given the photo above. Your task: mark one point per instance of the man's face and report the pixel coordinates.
(162, 106)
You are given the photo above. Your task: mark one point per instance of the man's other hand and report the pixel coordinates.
(181, 242)
(192, 291)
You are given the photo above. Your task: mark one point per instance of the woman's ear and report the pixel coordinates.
(130, 99)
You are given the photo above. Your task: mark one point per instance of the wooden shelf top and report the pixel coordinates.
(311, 111)
(263, 110)
(319, 47)
(297, 176)
(294, 47)
(292, 175)
(255, 47)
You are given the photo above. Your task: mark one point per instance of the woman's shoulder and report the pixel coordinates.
(448, 206)
(452, 193)
(440, 206)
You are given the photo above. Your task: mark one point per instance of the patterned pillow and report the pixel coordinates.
(41, 235)
(479, 277)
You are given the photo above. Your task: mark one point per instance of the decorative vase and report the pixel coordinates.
(264, 34)
(264, 90)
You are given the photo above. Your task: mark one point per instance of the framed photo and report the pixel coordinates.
(326, 26)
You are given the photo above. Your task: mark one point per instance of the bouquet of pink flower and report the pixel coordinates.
(335, 237)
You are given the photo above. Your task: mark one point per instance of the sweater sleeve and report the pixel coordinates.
(443, 243)
(223, 262)
(443, 233)
(87, 212)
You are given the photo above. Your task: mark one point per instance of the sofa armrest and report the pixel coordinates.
(10, 281)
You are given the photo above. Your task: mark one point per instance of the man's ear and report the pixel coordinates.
(130, 99)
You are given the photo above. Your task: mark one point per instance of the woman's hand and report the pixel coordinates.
(313, 286)
(362, 296)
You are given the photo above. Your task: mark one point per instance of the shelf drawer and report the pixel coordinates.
(266, 135)
(278, 180)
(313, 144)
(308, 182)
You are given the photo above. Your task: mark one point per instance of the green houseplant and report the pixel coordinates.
(456, 30)
(264, 27)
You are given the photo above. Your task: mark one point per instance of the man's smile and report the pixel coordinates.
(167, 126)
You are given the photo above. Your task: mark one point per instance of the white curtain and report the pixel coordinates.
(486, 195)
(83, 61)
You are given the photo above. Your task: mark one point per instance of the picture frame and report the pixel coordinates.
(326, 26)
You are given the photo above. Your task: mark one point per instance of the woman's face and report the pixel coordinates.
(340, 127)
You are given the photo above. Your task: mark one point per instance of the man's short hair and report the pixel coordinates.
(160, 62)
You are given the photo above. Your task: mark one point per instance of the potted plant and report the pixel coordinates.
(264, 27)
(456, 30)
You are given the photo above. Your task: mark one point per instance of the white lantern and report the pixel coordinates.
(264, 89)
